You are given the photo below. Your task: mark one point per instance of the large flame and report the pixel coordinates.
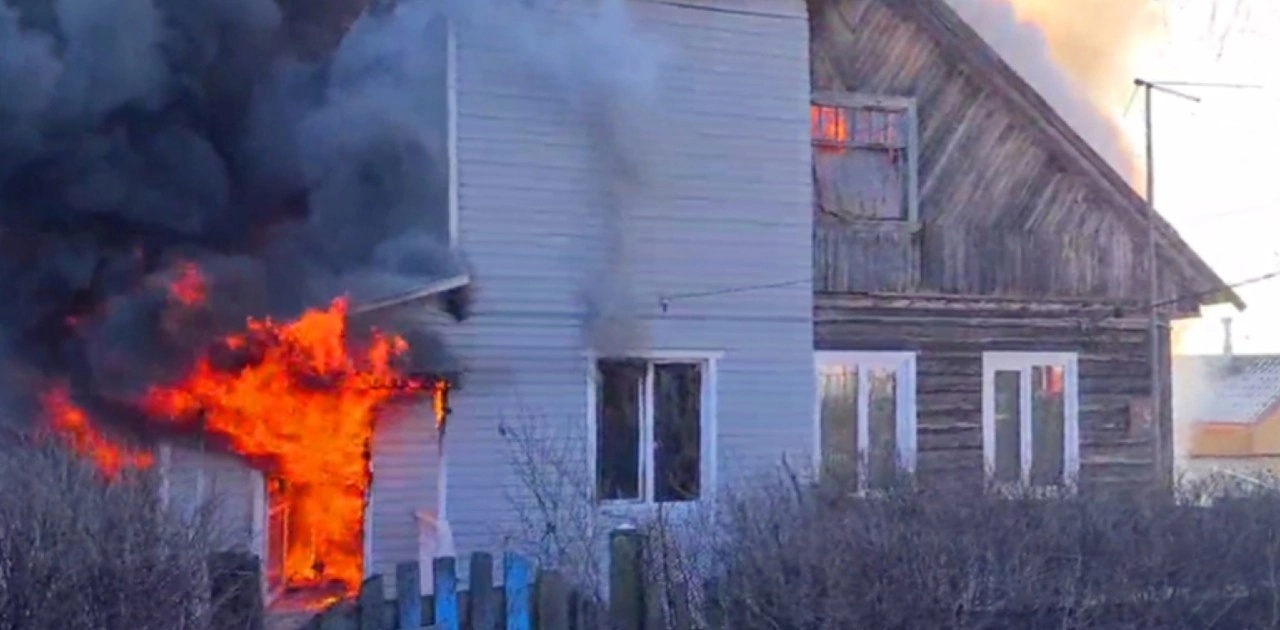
(299, 400)
(72, 423)
(304, 405)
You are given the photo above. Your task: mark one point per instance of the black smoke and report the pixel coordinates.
(294, 151)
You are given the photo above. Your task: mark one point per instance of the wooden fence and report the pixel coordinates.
(529, 598)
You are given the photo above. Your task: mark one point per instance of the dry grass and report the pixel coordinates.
(77, 552)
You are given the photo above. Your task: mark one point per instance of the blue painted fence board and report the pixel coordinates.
(517, 586)
(446, 594)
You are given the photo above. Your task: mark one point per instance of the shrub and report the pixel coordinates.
(77, 551)
(789, 554)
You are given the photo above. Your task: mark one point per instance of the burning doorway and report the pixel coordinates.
(300, 401)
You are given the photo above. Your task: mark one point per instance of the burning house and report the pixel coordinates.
(233, 237)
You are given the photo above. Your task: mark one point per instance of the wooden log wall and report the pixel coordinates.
(950, 336)
(1004, 212)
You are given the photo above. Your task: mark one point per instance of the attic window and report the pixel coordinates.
(865, 157)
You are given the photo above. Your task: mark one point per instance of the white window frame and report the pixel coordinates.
(904, 366)
(709, 360)
(1023, 362)
(906, 104)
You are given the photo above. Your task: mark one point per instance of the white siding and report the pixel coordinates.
(198, 478)
(728, 205)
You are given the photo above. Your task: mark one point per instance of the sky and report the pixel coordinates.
(1216, 161)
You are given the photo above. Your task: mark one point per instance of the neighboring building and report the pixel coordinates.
(1227, 410)
(981, 281)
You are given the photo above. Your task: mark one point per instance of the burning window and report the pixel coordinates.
(864, 158)
(867, 415)
(649, 423)
(1030, 418)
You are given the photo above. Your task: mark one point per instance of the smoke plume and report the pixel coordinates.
(141, 137)
(610, 74)
(1080, 55)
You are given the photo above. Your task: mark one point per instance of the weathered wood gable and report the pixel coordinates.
(1011, 201)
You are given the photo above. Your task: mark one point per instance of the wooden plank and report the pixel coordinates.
(517, 574)
(483, 610)
(626, 580)
(447, 612)
(408, 595)
(553, 601)
(369, 607)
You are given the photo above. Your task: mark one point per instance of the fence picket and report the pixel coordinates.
(446, 596)
(369, 606)
(483, 614)
(516, 574)
(408, 595)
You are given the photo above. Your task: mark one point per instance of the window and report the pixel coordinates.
(1030, 418)
(867, 415)
(651, 429)
(865, 158)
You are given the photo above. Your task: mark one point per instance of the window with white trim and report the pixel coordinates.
(1030, 418)
(867, 415)
(652, 424)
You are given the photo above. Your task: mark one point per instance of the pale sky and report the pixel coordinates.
(1218, 162)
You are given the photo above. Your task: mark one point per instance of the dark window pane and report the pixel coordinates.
(1008, 427)
(618, 390)
(677, 431)
(839, 419)
(1048, 423)
(882, 428)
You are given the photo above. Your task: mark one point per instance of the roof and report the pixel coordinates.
(962, 43)
(1217, 389)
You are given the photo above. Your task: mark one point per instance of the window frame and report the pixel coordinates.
(906, 422)
(1023, 363)
(856, 100)
(708, 406)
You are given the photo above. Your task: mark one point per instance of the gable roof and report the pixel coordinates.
(1217, 389)
(959, 41)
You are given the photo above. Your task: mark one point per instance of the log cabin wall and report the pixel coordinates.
(1000, 210)
(949, 337)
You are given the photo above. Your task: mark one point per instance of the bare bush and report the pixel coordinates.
(789, 554)
(77, 551)
(558, 522)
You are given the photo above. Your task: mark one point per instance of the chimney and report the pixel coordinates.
(1226, 337)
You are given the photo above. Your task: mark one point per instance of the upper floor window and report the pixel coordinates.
(867, 417)
(652, 420)
(1030, 418)
(865, 156)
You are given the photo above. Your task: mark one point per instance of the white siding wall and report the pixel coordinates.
(729, 205)
(197, 478)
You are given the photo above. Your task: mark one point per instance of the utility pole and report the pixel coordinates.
(1154, 324)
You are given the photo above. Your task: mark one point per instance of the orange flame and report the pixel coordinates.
(306, 405)
(73, 425)
(829, 124)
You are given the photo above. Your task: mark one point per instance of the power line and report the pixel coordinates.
(1120, 311)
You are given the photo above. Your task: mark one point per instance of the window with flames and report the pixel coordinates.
(864, 158)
